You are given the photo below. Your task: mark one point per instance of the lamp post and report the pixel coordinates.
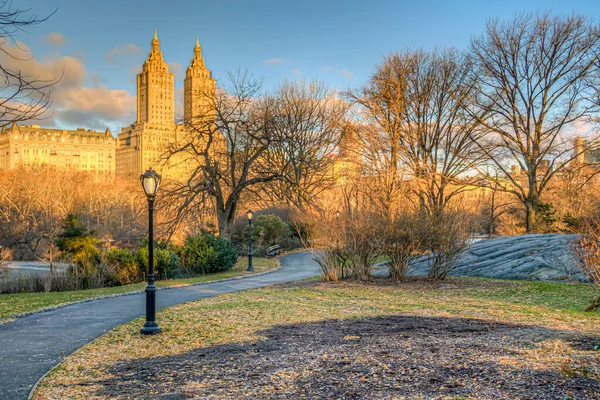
(150, 182)
(250, 267)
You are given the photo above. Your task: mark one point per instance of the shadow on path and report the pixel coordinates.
(30, 346)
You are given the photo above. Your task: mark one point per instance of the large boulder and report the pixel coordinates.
(542, 257)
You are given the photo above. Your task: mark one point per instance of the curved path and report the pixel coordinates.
(31, 345)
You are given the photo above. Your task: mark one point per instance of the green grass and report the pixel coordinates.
(240, 317)
(12, 304)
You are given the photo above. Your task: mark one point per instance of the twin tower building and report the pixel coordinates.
(141, 144)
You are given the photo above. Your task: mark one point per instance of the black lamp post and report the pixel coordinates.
(250, 267)
(150, 182)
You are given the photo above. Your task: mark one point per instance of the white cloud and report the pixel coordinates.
(74, 103)
(55, 39)
(275, 60)
(296, 71)
(326, 69)
(123, 53)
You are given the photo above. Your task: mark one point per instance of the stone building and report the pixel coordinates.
(77, 150)
(140, 145)
(144, 143)
(584, 155)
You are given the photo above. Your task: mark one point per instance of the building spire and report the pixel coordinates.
(197, 50)
(155, 44)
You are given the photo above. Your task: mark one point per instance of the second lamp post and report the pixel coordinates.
(250, 267)
(150, 182)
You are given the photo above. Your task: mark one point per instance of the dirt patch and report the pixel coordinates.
(376, 358)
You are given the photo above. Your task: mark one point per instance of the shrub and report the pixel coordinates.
(166, 262)
(206, 253)
(588, 250)
(80, 243)
(346, 248)
(125, 265)
(267, 230)
(445, 235)
(402, 243)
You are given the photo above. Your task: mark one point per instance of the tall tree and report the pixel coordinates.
(308, 118)
(254, 140)
(533, 77)
(413, 107)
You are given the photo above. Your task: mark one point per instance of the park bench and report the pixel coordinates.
(273, 250)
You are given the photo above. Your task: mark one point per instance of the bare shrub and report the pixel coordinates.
(587, 249)
(323, 238)
(446, 236)
(402, 244)
(345, 247)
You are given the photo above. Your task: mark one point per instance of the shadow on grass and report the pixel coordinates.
(386, 357)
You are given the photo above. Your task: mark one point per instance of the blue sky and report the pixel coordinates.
(338, 42)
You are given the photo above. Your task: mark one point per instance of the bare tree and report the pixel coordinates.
(532, 81)
(24, 97)
(253, 141)
(308, 118)
(414, 109)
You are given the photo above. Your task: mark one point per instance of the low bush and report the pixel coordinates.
(166, 263)
(269, 227)
(206, 253)
(125, 264)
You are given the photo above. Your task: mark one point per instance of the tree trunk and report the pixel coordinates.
(530, 209)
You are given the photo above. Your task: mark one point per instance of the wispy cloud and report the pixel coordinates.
(274, 61)
(175, 68)
(347, 74)
(55, 39)
(296, 71)
(343, 72)
(123, 52)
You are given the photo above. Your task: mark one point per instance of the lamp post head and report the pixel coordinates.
(150, 182)
(250, 214)
(337, 215)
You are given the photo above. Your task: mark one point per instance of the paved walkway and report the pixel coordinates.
(30, 346)
(16, 268)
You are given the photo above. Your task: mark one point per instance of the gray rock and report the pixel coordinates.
(543, 257)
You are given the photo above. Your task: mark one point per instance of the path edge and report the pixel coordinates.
(11, 318)
(57, 365)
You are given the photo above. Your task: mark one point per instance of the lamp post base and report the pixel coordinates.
(250, 269)
(150, 328)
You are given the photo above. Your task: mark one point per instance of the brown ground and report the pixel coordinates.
(392, 357)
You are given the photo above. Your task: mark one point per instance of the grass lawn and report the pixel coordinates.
(12, 304)
(466, 338)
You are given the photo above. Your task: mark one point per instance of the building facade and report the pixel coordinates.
(23, 146)
(139, 146)
(144, 143)
(582, 154)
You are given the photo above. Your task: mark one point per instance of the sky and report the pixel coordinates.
(99, 46)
